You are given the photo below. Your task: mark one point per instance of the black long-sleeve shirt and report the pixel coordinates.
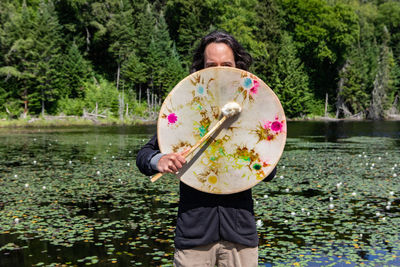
(204, 218)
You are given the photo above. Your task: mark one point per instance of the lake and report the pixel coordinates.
(73, 196)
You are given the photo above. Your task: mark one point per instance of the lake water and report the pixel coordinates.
(73, 196)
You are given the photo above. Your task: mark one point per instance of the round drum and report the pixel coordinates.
(244, 150)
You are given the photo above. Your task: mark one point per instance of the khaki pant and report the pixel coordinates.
(221, 253)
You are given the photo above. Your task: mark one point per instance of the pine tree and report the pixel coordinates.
(290, 81)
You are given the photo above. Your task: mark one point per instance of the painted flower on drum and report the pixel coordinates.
(254, 89)
(172, 118)
(270, 129)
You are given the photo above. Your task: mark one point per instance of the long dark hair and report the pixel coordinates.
(243, 59)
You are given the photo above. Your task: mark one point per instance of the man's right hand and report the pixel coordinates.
(171, 163)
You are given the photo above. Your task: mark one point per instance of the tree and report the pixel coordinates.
(290, 81)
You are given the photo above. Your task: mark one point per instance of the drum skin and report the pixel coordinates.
(244, 150)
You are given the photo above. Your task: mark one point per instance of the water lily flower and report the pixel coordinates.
(26, 185)
(339, 185)
(283, 166)
(285, 221)
(16, 176)
(98, 172)
(44, 187)
(302, 209)
(34, 162)
(287, 190)
(330, 199)
(293, 213)
(128, 164)
(388, 207)
(395, 165)
(379, 158)
(331, 206)
(259, 223)
(94, 158)
(378, 214)
(308, 213)
(70, 162)
(359, 155)
(16, 220)
(383, 219)
(391, 193)
(281, 177)
(87, 142)
(373, 164)
(394, 174)
(130, 152)
(354, 194)
(112, 157)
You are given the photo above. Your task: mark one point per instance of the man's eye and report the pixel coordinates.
(227, 64)
(208, 65)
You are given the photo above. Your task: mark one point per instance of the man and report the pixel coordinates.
(211, 229)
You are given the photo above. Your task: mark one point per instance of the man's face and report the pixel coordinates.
(218, 54)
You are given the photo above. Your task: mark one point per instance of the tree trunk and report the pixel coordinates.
(42, 102)
(326, 105)
(25, 96)
(118, 73)
(87, 39)
(341, 108)
(140, 93)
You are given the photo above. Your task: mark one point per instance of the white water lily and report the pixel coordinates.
(293, 213)
(16, 220)
(259, 223)
(98, 172)
(110, 144)
(354, 194)
(378, 214)
(16, 176)
(94, 157)
(287, 190)
(330, 199)
(339, 184)
(130, 152)
(302, 209)
(26, 185)
(379, 158)
(44, 187)
(112, 157)
(281, 177)
(283, 167)
(34, 162)
(331, 206)
(70, 162)
(394, 174)
(265, 196)
(388, 207)
(391, 193)
(128, 164)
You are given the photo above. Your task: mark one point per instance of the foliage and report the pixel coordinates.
(51, 50)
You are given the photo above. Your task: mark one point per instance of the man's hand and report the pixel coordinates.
(171, 163)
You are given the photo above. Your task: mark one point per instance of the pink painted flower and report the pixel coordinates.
(172, 118)
(276, 126)
(254, 89)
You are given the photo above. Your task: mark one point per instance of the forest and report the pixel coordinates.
(121, 58)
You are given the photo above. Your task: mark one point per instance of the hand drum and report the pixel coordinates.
(246, 147)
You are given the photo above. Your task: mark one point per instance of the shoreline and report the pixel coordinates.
(78, 121)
